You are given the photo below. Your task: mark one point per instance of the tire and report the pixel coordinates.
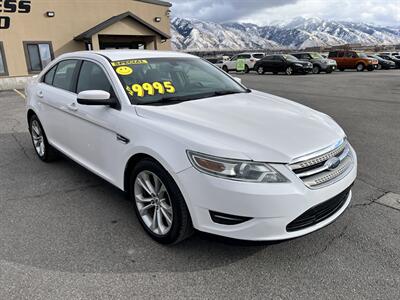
(316, 69)
(360, 67)
(329, 71)
(341, 70)
(380, 67)
(43, 149)
(260, 70)
(225, 68)
(165, 203)
(370, 69)
(289, 70)
(246, 69)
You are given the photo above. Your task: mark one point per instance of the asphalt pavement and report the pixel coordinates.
(67, 234)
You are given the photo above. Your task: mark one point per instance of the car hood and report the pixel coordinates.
(255, 126)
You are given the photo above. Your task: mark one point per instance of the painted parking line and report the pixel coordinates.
(19, 93)
(391, 200)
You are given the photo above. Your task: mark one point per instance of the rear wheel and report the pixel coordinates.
(289, 70)
(159, 204)
(316, 69)
(42, 147)
(341, 69)
(360, 67)
(225, 68)
(260, 70)
(246, 69)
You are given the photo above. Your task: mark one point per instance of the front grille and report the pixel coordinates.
(320, 212)
(316, 171)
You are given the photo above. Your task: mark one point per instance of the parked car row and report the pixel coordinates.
(312, 62)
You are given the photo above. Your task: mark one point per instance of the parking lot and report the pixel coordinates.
(65, 233)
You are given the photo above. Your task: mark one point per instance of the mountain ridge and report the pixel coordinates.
(298, 33)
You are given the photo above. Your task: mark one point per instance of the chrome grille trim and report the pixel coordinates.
(316, 173)
(304, 162)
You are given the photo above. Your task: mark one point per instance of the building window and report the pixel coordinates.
(3, 64)
(38, 55)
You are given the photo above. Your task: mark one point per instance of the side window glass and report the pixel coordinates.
(234, 58)
(92, 77)
(65, 74)
(48, 78)
(340, 54)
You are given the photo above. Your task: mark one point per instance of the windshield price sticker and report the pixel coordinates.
(129, 62)
(151, 89)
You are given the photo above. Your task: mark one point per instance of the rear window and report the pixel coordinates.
(65, 74)
(258, 56)
(48, 78)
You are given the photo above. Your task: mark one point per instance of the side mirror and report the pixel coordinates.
(95, 97)
(237, 79)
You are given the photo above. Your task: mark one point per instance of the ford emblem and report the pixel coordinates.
(332, 163)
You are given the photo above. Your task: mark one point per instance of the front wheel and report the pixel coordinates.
(316, 69)
(360, 67)
(260, 70)
(289, 70)
(159, 204)
(246, 69)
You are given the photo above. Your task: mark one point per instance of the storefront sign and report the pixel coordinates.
(9, 7)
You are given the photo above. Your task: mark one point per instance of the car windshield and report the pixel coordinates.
(161, 81)
(289, 57)
(315, 55)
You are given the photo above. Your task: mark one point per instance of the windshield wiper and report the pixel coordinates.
(178, 99)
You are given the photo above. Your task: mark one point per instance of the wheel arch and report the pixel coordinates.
(29, 114)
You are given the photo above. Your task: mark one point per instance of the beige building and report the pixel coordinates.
(34, 32)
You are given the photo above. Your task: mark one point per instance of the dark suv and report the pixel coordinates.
(282, 63)
(320, 64)
(348, 59)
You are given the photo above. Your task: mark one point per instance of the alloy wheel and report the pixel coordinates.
(315, 70)
(38, 138)
(289, 71)
(260, 70)
(153, 202)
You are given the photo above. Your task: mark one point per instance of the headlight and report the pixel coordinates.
(235, 169)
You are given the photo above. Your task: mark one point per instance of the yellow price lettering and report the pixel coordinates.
(159, 87)
(138, 89)
(148, 88)
(169, 88)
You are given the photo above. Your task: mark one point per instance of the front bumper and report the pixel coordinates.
(271, 207)
(303, 69)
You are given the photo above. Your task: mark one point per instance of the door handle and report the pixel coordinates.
(72, 107)
(40, 94)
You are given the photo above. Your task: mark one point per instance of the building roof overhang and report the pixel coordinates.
(87, 35)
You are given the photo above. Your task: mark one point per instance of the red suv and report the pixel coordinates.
(347, 59)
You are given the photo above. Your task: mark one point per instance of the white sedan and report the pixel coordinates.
(192, 146)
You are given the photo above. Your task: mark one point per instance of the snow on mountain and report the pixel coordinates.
(298, 33)
(195, 34)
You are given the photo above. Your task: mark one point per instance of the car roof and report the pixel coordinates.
(116, 55)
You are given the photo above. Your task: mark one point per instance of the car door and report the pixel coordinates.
(279, 64)
(231, 64)
(96, 127)
(266, 63)
(57, 102)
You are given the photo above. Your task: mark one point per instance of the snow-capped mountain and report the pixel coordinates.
(298, 33)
